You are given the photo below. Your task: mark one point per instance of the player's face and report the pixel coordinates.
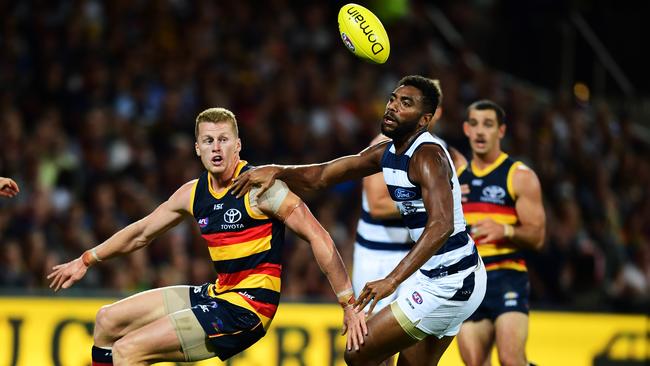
(404, 112)
(483, 131)
(218, 147)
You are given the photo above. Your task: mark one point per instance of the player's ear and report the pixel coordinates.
(502, 130)
(425, 120)
(466, 128)
(238, 145)
(196, 148)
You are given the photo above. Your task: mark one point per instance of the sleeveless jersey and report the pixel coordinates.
(491, 196)
(458, 251)
(381, 234)
(245, 248)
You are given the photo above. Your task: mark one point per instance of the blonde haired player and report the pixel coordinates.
(244, 237)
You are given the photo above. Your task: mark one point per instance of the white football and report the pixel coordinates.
(363, 34)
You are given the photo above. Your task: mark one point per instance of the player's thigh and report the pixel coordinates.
(475, 341)
(426, 352)
(141, 309)
(511, 334)
(385, 338)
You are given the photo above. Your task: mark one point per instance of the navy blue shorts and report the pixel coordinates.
(507, 290)
(230, 328)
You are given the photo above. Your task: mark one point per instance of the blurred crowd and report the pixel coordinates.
(97, 108)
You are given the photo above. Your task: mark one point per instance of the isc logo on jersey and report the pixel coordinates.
(363, 34)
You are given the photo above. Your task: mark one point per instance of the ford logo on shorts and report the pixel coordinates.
(416, 297)
(404, 194)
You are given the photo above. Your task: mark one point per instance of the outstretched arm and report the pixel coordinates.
(431, 170)
(8, 188)
(313, 176)
(131, 238)
(283, 204)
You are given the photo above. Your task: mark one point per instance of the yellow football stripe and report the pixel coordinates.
(474, 217)
(488, 250)
(509, 179)
(236, 299)
(508, 265)
(254, 281)
(240, 250)
(192, 194)
(249, 209)
(480, 173)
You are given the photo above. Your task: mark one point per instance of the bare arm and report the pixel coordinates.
(380, 203)
(129, 239)
(284, 205)
(430, 169)
(458, 158)
(314, 176)
(530, 231)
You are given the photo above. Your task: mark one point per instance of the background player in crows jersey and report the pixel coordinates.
(502, 202)
(382, 238)
(420, 177)
(244, 238)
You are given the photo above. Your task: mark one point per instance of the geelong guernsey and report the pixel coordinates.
(491, 196)
(458, 252)
(377, 234)
(245, 248)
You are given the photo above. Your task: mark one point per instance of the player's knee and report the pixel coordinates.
(352, 358)
(106, 328)
(511, 359)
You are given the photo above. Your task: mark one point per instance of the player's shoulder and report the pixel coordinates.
(523, 177)
(379, 138)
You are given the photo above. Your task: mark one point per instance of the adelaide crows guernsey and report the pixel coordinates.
(458, 252)
(245, 247)
(491, 196)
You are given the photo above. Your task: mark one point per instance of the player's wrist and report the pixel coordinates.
(90, 257)
(346, 298)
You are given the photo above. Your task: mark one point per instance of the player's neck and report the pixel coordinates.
(402, 143)
(484, 160)
(223, 180)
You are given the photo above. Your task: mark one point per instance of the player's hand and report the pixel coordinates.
(487, 231)
(66, 274)
(464, 191)
(262, 177)
(8, 188)
(373, 292)
(354, 324)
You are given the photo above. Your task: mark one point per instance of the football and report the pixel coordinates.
(363, 34)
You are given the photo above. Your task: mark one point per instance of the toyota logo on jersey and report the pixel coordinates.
(232, 216)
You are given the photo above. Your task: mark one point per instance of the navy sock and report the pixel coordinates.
(102, 356)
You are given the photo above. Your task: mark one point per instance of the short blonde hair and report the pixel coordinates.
(214, 115)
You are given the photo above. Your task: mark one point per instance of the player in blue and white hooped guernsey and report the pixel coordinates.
(421, 179)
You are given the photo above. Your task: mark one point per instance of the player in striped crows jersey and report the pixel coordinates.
(502, 201)
(419, 175)
(244, 237)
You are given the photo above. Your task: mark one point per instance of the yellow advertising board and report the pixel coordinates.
(45, 331)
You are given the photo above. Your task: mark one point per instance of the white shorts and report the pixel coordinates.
(439, 306)
(371, 265)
